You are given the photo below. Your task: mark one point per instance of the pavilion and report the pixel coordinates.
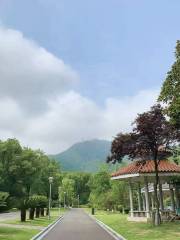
(141, 176)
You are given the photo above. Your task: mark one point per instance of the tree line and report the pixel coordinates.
(24, 183)
(156, 133)
(24, 176)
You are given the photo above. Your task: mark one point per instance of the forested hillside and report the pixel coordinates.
(85, 156)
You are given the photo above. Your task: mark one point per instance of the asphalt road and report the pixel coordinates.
(9, 216)
(77, 225)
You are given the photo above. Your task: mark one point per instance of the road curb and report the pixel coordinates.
(41, 234)
(108, 229)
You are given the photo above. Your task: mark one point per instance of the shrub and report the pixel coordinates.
(3, 201)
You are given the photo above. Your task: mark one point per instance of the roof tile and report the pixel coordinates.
(147, 167)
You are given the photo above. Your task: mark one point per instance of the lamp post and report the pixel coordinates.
(59, 199)
(50, 182)
(78, 200)
(64, 199)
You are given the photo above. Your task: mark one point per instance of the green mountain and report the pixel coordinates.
(85, 156)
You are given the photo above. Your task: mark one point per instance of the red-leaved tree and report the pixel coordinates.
(151, 139)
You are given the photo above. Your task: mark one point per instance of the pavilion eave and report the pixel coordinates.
(142, 175)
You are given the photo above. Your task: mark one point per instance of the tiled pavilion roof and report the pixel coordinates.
(147, 167)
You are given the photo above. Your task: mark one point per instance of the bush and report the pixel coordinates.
(120, 208)
(12, 202)
(55, 203)
(126, 210)
(37, 203)
(32, 203)
(3, 201)
(23, 205)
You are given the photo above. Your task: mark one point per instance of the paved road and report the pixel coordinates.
(9, 216)
(77, 225)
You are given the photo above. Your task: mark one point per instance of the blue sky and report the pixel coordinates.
(120, 48)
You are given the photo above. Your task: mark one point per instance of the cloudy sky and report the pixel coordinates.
(77, 70)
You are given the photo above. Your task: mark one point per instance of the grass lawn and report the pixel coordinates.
(42, 221)
(7, 233)
(139, 231)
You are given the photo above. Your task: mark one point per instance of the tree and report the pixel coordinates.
(20, 167)
(3, 201)
(151, 138)
(68, 190)
(100, 186)
(32, 203)
(41, 203)
(10, 153)
(81, 186)
(175, 155)
(28, 167)
(49, 168)
(24, 172)
(170, 92)
(120, 195)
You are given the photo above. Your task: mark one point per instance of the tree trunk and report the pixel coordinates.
(31, 213)
(23, 215)
(47, 211)
(157, 219)
(42, 212)
(37, 212)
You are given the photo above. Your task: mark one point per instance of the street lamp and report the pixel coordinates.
(64, 199)
(59, 199)
(50, 182)
(78, 200)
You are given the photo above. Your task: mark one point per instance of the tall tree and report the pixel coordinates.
(151, 138)
(10, 153)
(170, 92)
(49, 168)
(100, 185)
(81, 185)
(68, 191)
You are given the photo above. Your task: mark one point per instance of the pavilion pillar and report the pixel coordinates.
(152, 201)
(161, 197)
(131, 199)
(147, 198)
(139, 198)
(172, 197)
(144, 204)
(177, 196)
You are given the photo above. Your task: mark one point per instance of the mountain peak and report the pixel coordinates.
(84, 156)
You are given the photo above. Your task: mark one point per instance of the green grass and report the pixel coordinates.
(42, 221)
(139, 231)
(7, 233)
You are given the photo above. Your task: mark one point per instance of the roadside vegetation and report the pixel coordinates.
(139, 231)
(41, 221)
(24, 178)
(25, 230)
(7, 233)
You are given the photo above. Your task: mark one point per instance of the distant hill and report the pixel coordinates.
(85, 156)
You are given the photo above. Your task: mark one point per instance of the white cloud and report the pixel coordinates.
(35, 81)
(29, 73)
(120, 113)
(72, 118)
